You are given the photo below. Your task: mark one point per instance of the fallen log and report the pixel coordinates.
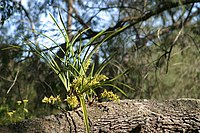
(181, 115)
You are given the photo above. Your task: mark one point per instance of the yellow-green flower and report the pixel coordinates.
(110, 95)
(86, 64)
(25, 101)
(72, 101)
(78, 82)
(45, 100)
(10, 113)
(101, 77)
(51, 99)
(19, 102)
(25, 110)
(58, 98)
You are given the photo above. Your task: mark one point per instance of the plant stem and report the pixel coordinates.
(85, 115)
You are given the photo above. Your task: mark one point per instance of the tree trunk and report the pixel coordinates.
(182, 115)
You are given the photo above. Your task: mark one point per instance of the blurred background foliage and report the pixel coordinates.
(160, 47)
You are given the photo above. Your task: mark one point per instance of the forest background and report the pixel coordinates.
(160, 47)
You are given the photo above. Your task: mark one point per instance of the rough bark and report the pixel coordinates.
(182, 115)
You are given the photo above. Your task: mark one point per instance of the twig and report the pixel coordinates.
(14, 81)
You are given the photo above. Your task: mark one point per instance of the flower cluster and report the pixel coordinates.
(87, 64)
(23, 101)
(51, 99)
(110, 95)
(72, 101)
(87, 82)
(21, 108)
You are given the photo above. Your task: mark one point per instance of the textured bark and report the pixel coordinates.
(182, 115)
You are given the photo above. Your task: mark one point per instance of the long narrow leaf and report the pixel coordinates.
(54, 20)
(95, 47)
(104, 64)
(114, 86)
(118, 76)
(65, 36)
(105, 39)
(78, 35)
(127, 86)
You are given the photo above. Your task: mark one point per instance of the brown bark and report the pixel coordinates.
(69, 16)
(182, 115)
